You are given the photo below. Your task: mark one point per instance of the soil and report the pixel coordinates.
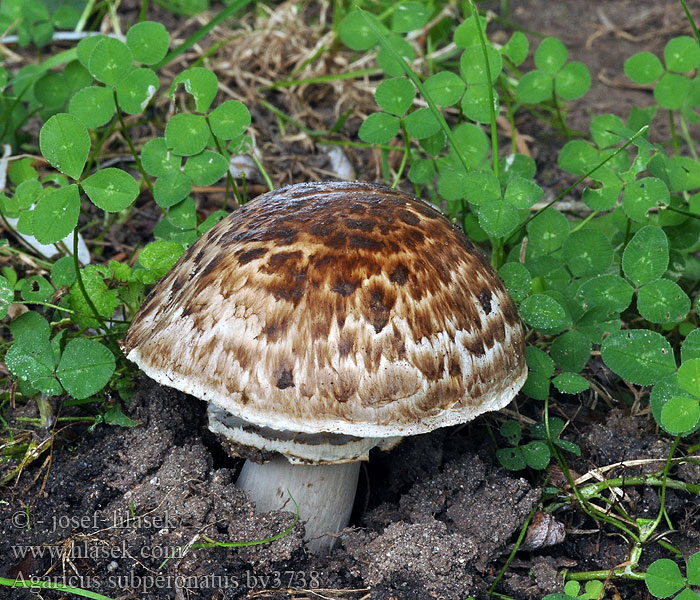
(434, 518)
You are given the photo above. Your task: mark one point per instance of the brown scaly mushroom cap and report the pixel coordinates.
(340, 308)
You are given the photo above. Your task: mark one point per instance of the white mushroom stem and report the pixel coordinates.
(324, 493)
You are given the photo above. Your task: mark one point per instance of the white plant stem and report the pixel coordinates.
(324, 493)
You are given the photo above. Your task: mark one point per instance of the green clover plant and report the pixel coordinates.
(68, 343)
(617, 276)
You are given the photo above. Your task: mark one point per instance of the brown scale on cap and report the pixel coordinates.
(334, 304)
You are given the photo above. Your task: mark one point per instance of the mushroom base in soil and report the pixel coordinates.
(322, 320)
(318, 471)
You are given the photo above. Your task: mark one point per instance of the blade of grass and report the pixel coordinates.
(20, 582)
(322, 79)
(691, 21)
(583, 177)
(492, 110)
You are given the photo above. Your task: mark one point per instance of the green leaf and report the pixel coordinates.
(206, 168)
(158, 257)
(539, 429)
(30, 321)
(386, 60)
(103, 299)
(687, 594)
(201, 83)
(517, 48)
(85, 368)
(606, 130)
(51, 90)
(682, 54)
(662, 301)
(136, 90)
(640, 356)
(693, 569)
(548, 230)
(110, 60)
(541, 368)
(183, 215)
(534, 87)
(689, 376)
(578, 157)
(609, 292)
(671, 90)
(93, 105)
(511, 458)
(56, 214)
(35, 289)
(680, 415)
(536, 386)
(421, 171)
(587, 252)
(63, 272)
(22, 170)
(148, 41)
(674, 171)
(602, 198)
(65, 143)
(467, 32)
(517, 279)
(643, 68)
(550, 55)
(597, 323)
(114, 416)
(481, 186)
(642, 195)
(379, 128)
(645, 257)
(171, 188)
(356, 33)
(409, 16)
(111, 189)
(187, 134)
(77, 76)
(86, 46)
(498, 218)
(691, 346)
(395, 95)
(511, 431)
(475, 103)
(539, 361)
(420, 124)
(31, 357)
(212, 220)
(472, 66)
(544, 313)
(472, 142)
(523, 193)
(536, 454)
(157, 160)
(517, 166)
(573, 81)
(445, 88)
(665, 388)
(229, 120)
(7, 295)
(570, 383)
(121, 271)
(571, 351)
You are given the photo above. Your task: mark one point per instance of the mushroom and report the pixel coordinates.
(322, 320)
